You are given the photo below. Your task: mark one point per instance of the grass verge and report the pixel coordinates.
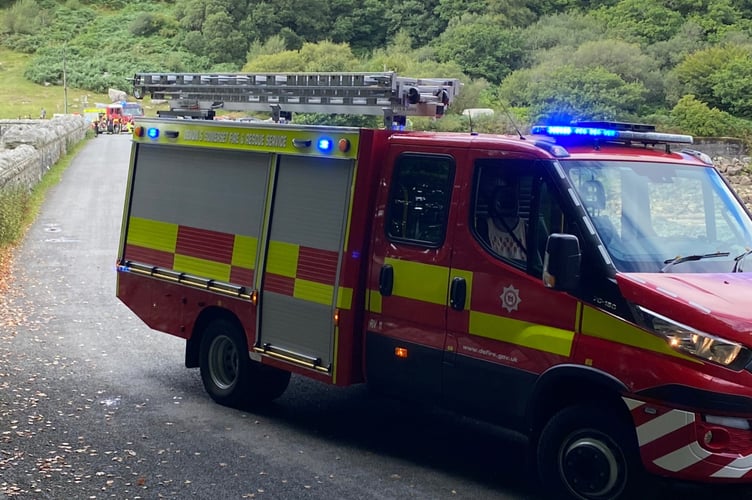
(20, 207)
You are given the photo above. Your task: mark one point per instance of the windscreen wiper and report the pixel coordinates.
(678, 260)
(738, 261)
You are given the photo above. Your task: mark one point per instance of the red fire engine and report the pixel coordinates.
(582, 284)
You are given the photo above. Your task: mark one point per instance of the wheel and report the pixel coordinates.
(230, 377)
(589, 453)
(116, 128)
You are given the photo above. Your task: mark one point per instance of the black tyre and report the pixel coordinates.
(589, 453)
(116, 128)
(229, 375)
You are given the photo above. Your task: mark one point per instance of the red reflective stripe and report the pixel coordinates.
(317, 265)
(640, 416)
(668, 443)
(279, 284)
(149, 256)
(204, 244)
(241, 275)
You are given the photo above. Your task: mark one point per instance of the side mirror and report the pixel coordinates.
(561, 264)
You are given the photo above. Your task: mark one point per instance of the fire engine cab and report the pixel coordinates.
(583, 284)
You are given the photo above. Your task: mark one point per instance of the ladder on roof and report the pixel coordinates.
(362, 93)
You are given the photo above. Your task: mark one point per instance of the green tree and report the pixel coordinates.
(668, 53)
(567, 93)
(273, 45)
(223, 42)
(481, 47)
(313, 57)
(417, 18)
(362, 24)
(514, 12)
(568, 30)
(641, 21)
(733, 87)
(400, 57)
(697, 118)
(698, 72)
(625, 60)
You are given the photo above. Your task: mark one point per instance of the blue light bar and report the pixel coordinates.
(575, 131)
(152, 132)
(559, 130)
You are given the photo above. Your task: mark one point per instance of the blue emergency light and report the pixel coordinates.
(324, 144)
(610, 131)
(152, 132)
(567, 131)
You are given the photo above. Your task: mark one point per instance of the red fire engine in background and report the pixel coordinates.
(583, 284)
(118, 116)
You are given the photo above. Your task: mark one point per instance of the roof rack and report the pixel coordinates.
(366, 93)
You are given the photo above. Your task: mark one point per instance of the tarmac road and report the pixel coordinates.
(95, 405)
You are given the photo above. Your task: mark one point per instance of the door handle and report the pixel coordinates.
(386, 280)
(458, 293)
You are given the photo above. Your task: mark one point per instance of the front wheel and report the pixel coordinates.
(589, 453)
(229, 376)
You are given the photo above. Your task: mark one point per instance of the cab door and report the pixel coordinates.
(512, 328)
(409, 274)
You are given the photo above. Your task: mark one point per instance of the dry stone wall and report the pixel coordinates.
(738, 172)
(28, 148)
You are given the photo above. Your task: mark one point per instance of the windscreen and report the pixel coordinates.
(658, 217)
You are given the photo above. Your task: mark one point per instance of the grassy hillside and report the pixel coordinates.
(21, 98)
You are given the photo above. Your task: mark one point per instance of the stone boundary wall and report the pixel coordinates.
(28, 148)
(724, 147)
(731, 159)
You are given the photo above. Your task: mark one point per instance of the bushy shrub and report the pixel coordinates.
(695, 117)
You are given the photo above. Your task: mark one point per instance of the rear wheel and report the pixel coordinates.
(589, 453)
(230, 377)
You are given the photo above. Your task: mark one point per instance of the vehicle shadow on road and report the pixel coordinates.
(450, 444)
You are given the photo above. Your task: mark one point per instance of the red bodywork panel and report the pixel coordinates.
(719, 303)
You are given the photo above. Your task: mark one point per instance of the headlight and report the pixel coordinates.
(696, 343)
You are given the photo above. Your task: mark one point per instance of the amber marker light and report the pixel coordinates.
(401, 352)
(336, 317)
(138, 131)
(344, 145)
(254, 297)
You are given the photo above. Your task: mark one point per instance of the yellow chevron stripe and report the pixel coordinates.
(374, 301)
(313, 292)
(202, 268)
(599, 324)
(244, 251)
(152, 234)
(344, 297)
(542, 338)
(414, 280)
(282, 259)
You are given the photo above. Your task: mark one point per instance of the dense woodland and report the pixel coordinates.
(683, 65)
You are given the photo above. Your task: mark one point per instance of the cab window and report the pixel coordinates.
(514, 210)
(419, 198)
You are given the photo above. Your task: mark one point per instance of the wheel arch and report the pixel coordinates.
(207, 315)
(566, 385)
